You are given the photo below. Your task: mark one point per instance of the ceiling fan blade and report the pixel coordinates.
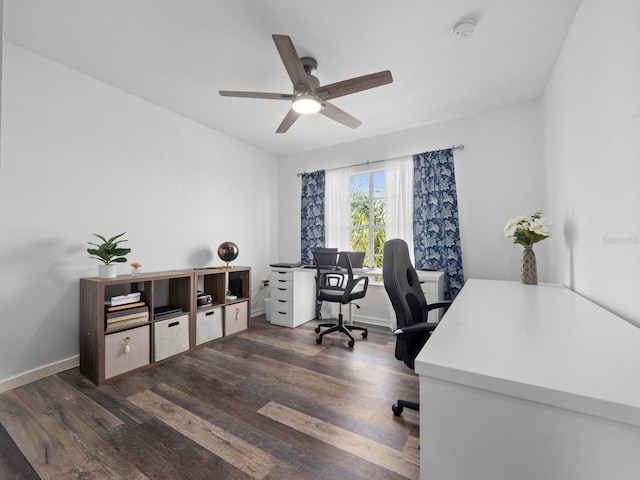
(269, 96)
(291, 117)
(353, 85)
(292, 62)
(339, 115)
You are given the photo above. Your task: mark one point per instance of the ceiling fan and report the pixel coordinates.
(308, 95)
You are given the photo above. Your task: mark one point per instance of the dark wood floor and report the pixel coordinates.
(266, 404)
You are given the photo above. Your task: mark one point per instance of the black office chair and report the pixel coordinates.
(410, 306)
(337, 284)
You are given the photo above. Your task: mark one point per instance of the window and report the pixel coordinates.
(368, 216)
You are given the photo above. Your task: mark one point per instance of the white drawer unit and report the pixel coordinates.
(171, 336)
(235, 318)
(126, 350)
(432, 284)
(293, 296)
(208, 325)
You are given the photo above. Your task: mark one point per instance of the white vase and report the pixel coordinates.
(108, 271)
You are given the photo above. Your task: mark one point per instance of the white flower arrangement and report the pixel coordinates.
(527, 232)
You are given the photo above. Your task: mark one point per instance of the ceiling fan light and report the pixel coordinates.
(306, 103)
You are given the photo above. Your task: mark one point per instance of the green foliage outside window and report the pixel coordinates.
(368, 216)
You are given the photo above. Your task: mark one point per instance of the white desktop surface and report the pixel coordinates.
(543, 343)
(529, 382)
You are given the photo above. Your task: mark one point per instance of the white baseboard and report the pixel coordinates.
(381, 322)
(38, 373)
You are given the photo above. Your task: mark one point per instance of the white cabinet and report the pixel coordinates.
(293, 296)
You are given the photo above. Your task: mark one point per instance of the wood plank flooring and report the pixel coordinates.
(265, 404)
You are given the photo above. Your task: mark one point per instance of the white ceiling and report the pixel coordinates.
(179, 53)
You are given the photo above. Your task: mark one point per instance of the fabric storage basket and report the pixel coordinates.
(171, 336)
(208, 325)
(126, 350)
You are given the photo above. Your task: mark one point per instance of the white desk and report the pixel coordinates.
(529, 382)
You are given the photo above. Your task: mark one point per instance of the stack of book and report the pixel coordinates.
(125, 311)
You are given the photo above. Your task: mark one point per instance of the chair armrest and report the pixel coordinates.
(357, 280)
(351, 284)
(443, 304)
(415, 329)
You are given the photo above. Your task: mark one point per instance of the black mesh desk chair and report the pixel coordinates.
(338, 284)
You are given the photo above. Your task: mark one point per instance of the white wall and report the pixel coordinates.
(499, 175)
(592, 127)
(79, 156)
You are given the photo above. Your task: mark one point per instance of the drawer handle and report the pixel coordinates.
(282, 313)
(283, 289)
(282, 301)
(127, 347)
(237, 314)
(282, 281)
(174, 324)
(209, 313)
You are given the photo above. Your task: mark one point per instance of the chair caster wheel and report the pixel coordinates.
(365, 334)
(351, 343)
(397, 410)
(317, 329)
(318, 339)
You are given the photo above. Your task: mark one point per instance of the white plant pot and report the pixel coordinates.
(108, 271)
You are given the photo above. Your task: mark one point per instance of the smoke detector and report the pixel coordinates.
(464, 28)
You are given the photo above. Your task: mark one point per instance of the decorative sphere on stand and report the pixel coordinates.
(228, 252)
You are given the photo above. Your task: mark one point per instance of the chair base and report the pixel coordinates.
(401, 404)
(340, 327)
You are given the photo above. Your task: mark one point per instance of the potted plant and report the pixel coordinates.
(109, 253)
(527, 232)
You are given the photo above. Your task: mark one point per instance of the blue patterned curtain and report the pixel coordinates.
(311, 215)
(436, 231)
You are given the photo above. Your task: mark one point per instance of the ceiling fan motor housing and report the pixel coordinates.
(310, 66)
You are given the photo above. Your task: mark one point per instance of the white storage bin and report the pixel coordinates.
(208, 325)
(171, 336)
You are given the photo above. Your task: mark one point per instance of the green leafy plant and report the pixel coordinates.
(109, 250)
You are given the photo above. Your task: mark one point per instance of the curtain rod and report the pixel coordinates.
(369, 162)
